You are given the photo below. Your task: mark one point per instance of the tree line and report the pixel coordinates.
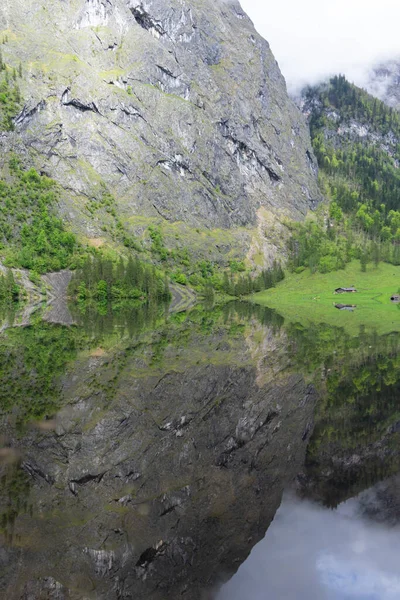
(243, 285)
(104, 280)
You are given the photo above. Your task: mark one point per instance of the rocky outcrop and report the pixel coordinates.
(178, 108)
(342, 130)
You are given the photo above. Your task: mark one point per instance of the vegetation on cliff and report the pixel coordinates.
(31, 235)
(356, 140)
(34, 238)
(9, 290)
(10, 96)
(104, 281)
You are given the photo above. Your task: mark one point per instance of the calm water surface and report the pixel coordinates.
(145, 454)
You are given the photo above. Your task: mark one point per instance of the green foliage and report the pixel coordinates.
(9, 290)
(34, 277)
(363, 261)
(237, 266)
(203, 275)
(30, 360)
(104, 202)
(157, 243)
(31, 236)
(104, 281)
(10, 96)
(81, 292)
(354, 103)
(335, 212)
(359, 407)
(101, 293)
(14, 492)
(319, 246)
(361, 177)
(244, 285)
(179, 277)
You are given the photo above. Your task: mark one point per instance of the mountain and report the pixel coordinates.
(156, 113)
(356, 140)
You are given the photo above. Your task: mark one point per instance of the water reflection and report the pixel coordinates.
(129, 320)
(310, 552)
(356, 435)
(150, 450)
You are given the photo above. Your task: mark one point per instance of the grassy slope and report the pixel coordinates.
(308, 298)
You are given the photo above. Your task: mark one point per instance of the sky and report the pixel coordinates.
(313, 39)
(312, 553)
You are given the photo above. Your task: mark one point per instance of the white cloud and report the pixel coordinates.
(313, 553)
(312, 39)
(351, 578)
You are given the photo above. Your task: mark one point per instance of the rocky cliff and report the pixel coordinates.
(178, 109)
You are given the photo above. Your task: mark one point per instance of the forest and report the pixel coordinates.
(102, 280)
(356, 139)
(31, 236)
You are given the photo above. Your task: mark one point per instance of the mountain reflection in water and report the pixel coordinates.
(144, 453)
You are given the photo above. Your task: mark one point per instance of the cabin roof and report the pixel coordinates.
(345, 289)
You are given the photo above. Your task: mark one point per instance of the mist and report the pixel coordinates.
(312, 40)
(312, 553)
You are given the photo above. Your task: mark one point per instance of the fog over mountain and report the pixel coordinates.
(312, 40)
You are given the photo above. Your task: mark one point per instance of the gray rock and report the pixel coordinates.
(179, 108)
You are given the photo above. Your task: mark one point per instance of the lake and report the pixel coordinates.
(215, 453)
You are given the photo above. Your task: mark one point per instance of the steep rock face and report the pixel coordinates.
(178, 108)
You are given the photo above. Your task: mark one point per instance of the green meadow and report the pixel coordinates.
(307, 298)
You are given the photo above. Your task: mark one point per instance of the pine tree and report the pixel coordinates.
(363, 261)
(131, 273)
(120, 271)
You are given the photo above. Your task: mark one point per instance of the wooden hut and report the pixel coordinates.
(349, 307)
(345, 290)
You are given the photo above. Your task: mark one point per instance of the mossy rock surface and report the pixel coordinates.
(183, 116)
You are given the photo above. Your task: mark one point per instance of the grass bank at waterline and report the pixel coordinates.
(309, 297)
